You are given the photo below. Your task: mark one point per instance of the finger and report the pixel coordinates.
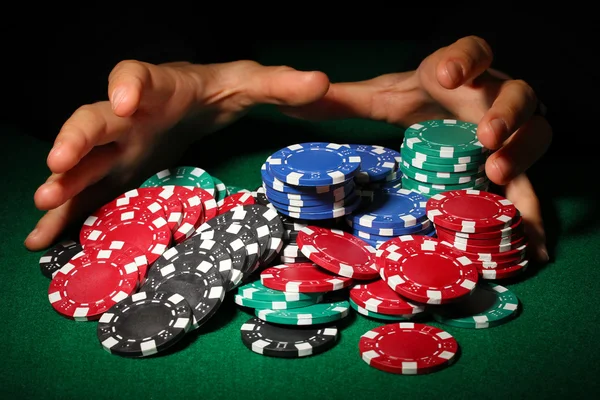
(133, 85)
(61, 187)
(89, 126)
(257, 84)
(49, 227)
(521, 150)
(521, 193)
(461, 62)
(515, 104)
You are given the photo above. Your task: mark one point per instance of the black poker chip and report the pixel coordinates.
(236, 249)
(58, 256)
(287, 341)
(144, 323)
(197, 280)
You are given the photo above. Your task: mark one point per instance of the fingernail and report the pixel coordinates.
(543, 254)
(118, 97)
(498, 126)
(32, 234)
(454, 71)
(55, 148)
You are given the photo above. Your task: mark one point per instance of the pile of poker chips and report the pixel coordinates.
(443, 155)
(484, 227)
(323, 277)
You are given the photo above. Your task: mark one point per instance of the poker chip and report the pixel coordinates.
(516, 228)
(446, 138)
(310, 199)
(220, 189)
(144, 324)
(471, 211)
(320, 215)
(411, 154)
(248, 238)
(338, 252)
(234, 200)
(198, 281)
(287, 342)
(92, 282)
(257, 291)
(431, 189)
(420, 161)
(504, 272)
(315, 314)
(378, 297)
(490, 305)
(445, 178)
(302, 278)
(147, 231)
(379, 316)
(377, 162)
(429, 271)
(270, 181)
(408, 348)
(378, 238)
(172, 206)
(57, 256)
(183, 176)
(236, 249)
(231, 189)
(314, 164)
(136, 254)
(274, 305)
(260, 196)
(390, 232)
(392, 209)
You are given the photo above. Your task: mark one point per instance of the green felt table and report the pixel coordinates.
(549, 351)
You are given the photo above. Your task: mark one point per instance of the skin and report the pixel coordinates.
(106, 147)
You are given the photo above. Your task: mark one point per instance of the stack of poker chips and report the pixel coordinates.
(443, 155)
(391, 213)
(484, 227)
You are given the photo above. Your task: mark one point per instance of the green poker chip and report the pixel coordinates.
(428, 189)
(236, 189)
(257, 291)
(446, 138)
(374, 315)
(488, 306)
(183, 176)
(221, 189)
(275, 305)
(414, 162)
(410, 153)
(312, 315)
(444, 178)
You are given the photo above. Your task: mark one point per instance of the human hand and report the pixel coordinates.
(106, 146)
(457, 82)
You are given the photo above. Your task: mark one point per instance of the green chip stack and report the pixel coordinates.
(443, 155)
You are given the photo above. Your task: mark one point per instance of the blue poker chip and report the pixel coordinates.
(376, 162)
(270, 181)
(424, 225)
(314, 164)
(371, 236)
(301, 200)
(285, 205)
(322, 215)
(392, 209)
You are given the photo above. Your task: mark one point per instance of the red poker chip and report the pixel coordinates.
(193, 212)
(338, 251)
(511, 255)
(164, 196)
(496, 249)
(504, 272)
(427, 270)
(92, 282)
(302, 278)
(138, 256)
(471, 211)
(515, 229)
(460, 241)
(147, 231)
(378, 297)
(408, 348)
(234, 200)
(485, 265)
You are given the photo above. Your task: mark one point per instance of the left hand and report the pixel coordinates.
(457, 82)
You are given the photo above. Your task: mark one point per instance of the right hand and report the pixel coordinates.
(107, 146)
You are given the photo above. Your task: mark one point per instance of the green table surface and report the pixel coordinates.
(549, 351)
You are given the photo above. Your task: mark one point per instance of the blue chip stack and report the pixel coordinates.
(392, 212)
(310, 184)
